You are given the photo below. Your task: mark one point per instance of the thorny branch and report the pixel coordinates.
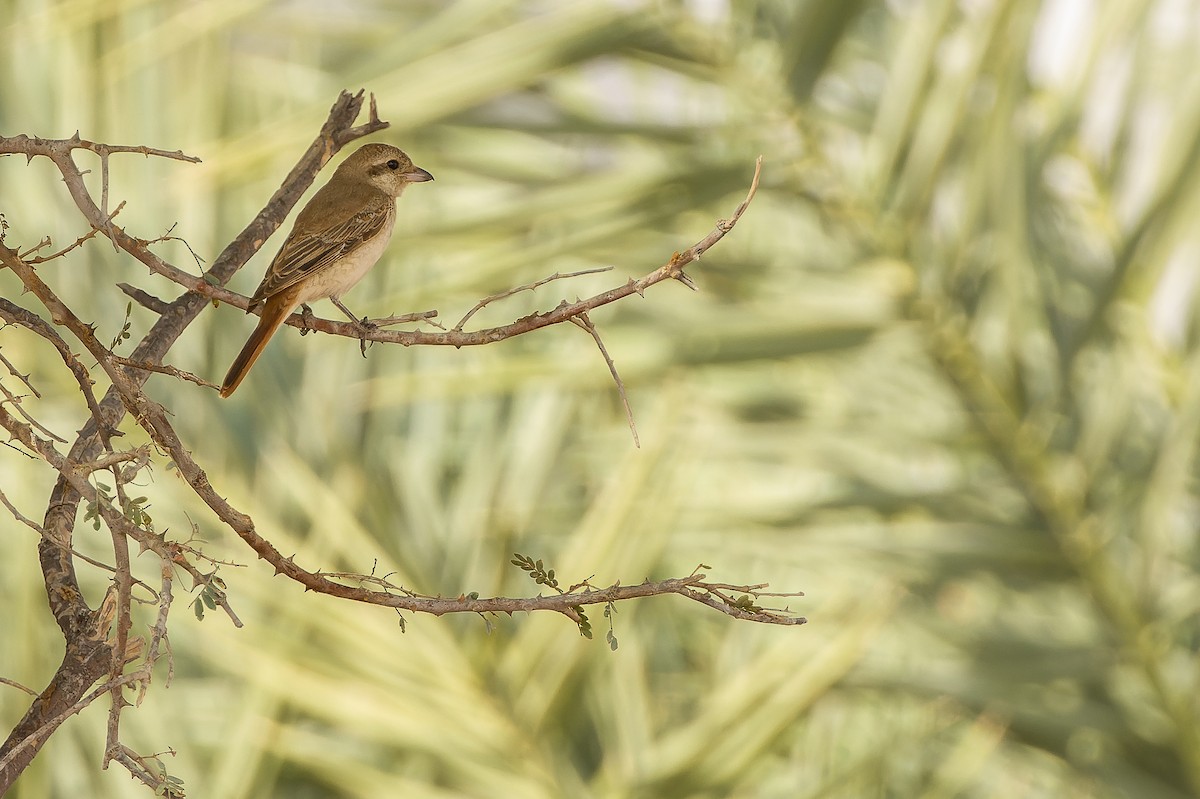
(104, 636)
(88, 654)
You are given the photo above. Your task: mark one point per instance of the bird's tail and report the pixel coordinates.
(272, 317)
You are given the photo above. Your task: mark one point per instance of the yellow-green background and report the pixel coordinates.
(943, 377)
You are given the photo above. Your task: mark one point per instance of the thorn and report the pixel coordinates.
(687, 281)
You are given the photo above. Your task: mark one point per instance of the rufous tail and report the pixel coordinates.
(272, 317)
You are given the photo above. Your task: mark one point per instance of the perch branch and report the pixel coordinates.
(672, 269)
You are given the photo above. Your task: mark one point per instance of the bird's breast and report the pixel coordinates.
(341, 275)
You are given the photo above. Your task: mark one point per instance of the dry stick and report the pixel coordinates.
(145, 299)
(168, 237)
(104, 150)
(15, 684)
(124, 601)
(77, 243)
(163, 369)
(108, 225)
(113, 748)
(479, 306)
(15, 401)
(402, 319)
(584, 322)
(24, 378)
(30, 523)
(41, 245)
(16, 315)
(139, 457)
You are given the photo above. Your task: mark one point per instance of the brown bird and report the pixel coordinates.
(336, 240)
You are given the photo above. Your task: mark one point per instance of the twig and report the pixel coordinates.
(139, 457)
(163, 369)
(168, 237)
(108, 149)
(16, 315)
(403, 319)
(41, 531)
(373, 124)
(585, 323)
(15, 684)
(108, 225)
(527, 287)
(24, 378)
(144, 299)
(77, 243)
(15, 401)
(51, 724)
(30, 523)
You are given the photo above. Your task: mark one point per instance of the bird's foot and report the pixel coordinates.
(365, 326)
(306, 315)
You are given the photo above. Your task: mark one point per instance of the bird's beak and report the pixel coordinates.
(417, 175)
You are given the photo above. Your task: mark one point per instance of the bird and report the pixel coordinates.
(338, 236)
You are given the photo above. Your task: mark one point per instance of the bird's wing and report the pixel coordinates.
(306, 254)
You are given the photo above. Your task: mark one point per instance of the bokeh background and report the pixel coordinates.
(944, 377)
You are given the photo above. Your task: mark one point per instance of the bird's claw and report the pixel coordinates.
(306, 316)
(365, 326)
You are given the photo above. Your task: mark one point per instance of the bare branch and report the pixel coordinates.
(30, 523)
(584, 322)
(403, 319)
(17, 685)
(527, 287)
(15, 401)
(16, 315)
(692, 587)
(145, 299)
(24, 378)
(59, 254)
(164, 369)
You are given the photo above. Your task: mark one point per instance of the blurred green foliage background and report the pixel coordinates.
(944, 377)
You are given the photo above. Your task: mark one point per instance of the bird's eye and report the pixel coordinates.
(393, 164)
